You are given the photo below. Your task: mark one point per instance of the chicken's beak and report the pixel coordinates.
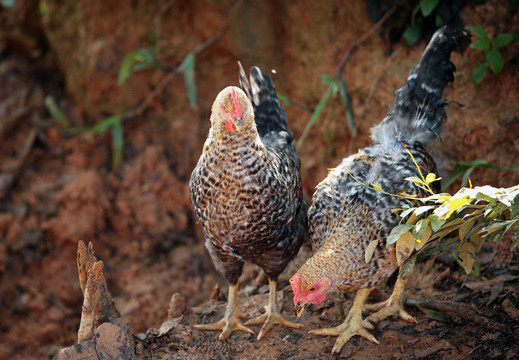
(299, 309)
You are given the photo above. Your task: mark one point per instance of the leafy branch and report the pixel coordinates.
(422, 10)
(471, 216)
(135, 61)
(493, 57)
(336, 84)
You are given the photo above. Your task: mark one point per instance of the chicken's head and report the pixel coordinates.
(232, 110)
(308, 292)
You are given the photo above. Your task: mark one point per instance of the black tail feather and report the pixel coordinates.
(270, 117)
(418, 112)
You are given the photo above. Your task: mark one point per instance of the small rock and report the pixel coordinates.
(113, 343)
(177, 306)
(83, 350)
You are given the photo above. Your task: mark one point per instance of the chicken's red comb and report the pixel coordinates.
(236, 107)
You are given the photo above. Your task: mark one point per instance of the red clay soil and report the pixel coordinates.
(57, 188)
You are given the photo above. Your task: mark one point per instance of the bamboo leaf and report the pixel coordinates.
(188, 68)
(347, 104)
(117, 145)
(106, 124)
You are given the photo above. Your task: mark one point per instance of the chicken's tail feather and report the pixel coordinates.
(270, 117)
(418, 111)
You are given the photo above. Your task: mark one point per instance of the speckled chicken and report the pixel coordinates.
(347, 213)
(246, 193)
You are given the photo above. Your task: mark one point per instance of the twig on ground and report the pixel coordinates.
(464, 311)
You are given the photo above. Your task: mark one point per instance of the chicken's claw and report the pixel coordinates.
(231, 320)
(392, 306)
(353, 325)
(272, 316)
(227, 325)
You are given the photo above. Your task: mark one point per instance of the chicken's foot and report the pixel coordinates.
(353, 325)
(392, 306)
(231, 320)
(272, 316)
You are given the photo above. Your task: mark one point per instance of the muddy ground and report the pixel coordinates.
(57, 185)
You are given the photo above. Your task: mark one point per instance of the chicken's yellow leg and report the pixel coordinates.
(231, 320)
(392, 306)
(272, 316)
(353, 325)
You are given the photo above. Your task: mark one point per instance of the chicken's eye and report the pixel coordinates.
(312, 289)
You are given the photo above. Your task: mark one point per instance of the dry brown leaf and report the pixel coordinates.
(404, 246)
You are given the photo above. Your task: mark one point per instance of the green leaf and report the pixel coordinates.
(319, 108)
(406, 212)
(503, 39)
(480, 44)
(326, 79)
(412, 34)
(424, 238)
(188, 68)
(397, 232)
(514, 210)
(55, 111)
(117, 145)
(419, 228)
(138, 56)
(377, 187)
(106, 124)
(479, 73)
(465, 228)
(495, 60)
(408, 266)
(422, 209)
(284, 99)
(479, 31)
(347, 104)
(436, 222)
(431, 177)
(428, 6)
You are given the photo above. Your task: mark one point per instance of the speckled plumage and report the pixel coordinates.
(347, 213)
(246, 188)
(246, 192)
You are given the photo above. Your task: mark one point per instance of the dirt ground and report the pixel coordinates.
(57, 188)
